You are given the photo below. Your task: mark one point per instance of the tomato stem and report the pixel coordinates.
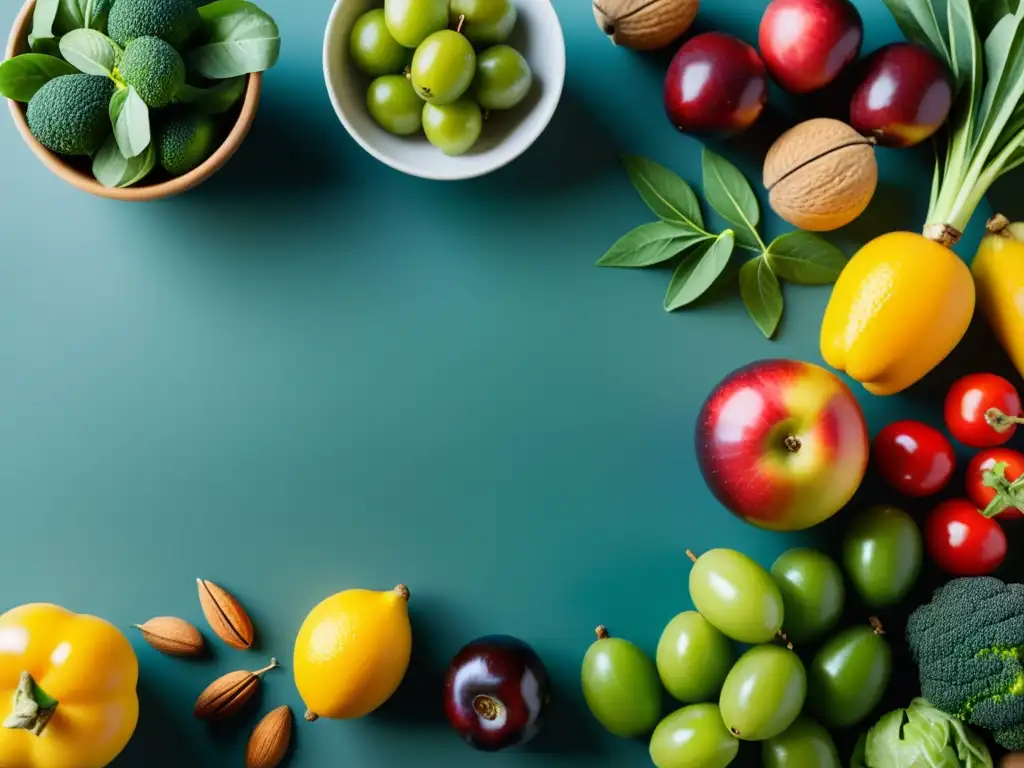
(1000, 421)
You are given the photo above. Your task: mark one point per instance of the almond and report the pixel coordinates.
(270, 739)
(173, 636)
(226, 615)
(227, 695)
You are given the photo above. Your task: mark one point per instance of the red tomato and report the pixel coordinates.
(962, 541)
(983, 410)
(915, 459)
(982, 495)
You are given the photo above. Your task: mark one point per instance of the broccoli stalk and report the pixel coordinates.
(967, 645)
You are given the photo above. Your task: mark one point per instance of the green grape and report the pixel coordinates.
(693, 737)
(373, 48)
(805, 744)
(503, 78)
(412, 21)
(394, 105)
(849, 675)
(882, 553)
(453, 128)
(443, 67)
(812, 590)
(485, 22)
(693, 658)
(736, 595)
(621, 686)
(763, 693)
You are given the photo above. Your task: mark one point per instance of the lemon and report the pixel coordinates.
(352, 652)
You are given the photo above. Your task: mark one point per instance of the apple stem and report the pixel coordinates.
(486, 707)
(693, 557)
(602, 632)
(792, 443)
(876, 625)
(462, 20)
(1001, 422)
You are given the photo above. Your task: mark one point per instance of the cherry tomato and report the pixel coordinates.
(982, 495)
(983, 410)
(915, 459)
(962, 541)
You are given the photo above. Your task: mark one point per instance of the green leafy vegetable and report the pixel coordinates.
(667, 195)
(805, 258)
(650, 244)
(217, 99)
(112, 169)
(82, 14)
(22, 76)
(1009, 493)
(698, 270)
(729, 193)
(89, 51)
(42, 39)
(130, 118)
(762, 294)
(921, 736)
(239, 39)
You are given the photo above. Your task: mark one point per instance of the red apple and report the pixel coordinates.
(905, 95)
(807, 43)
(716, 86)
(782, 444)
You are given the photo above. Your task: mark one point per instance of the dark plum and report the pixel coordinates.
(716, 86)
(905, 95)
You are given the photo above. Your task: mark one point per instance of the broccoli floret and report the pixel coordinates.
(170, 20)
(154, 68)
(968, 643)
(185, 142)
(70, 114)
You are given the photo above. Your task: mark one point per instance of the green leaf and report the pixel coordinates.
(238, 39)
(82, 14)
(762, 295)
(698, 270)
(112, 169)
(667, 195)
(22, 76)
(805, 258)
(650, 244)
(729, 193)
(966, 57)
(1004, 63)
(919, 23)
(988, 13)
(130, 118)
(91, 52)
(43, 18)
(217, 99)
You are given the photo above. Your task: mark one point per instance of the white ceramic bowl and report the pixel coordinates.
(507, 134)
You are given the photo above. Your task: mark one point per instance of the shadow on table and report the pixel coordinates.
(157, 742)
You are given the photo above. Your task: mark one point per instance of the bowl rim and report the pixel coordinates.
(470, 171)
(86, 182)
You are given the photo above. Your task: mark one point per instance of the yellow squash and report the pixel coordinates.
(352, 652)
(899, 308)
(998, 269)
(67, 689)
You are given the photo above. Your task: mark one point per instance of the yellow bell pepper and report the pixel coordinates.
(68, 694)
(900, 306)
(998, 270)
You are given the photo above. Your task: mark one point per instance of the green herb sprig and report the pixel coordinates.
(796, 257)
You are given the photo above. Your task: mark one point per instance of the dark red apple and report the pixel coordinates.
(905, 96)
(807, 43)
(782, 444)
(496, 692)
(716, 86)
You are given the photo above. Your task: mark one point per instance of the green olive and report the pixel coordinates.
(693, 658)
(763, 693)
(812, 590)
(621, 686)
(373, 48)
(485, 22)
(849, 675)
(411, 21)
(736, 595)
(805, 744)
(882, 552)
(693, 737)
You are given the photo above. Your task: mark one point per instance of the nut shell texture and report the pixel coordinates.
(645, 25)
(821, 175)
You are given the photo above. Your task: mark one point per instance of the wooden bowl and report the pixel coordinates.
(18, 43)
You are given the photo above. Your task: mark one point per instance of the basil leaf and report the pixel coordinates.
(214, 100)
(239, 39)
(698, 270)
(43, 17)
(667, 195)
(89, 51)
(805, 258)
(650, 244)
(82, 14)
(762, 295)
(729, 192)
(920, 24)
(130, 118)
(112, 169)
(22, 76)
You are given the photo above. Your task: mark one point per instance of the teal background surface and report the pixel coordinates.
(314, 373)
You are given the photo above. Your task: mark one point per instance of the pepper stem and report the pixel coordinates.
(32, 707)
